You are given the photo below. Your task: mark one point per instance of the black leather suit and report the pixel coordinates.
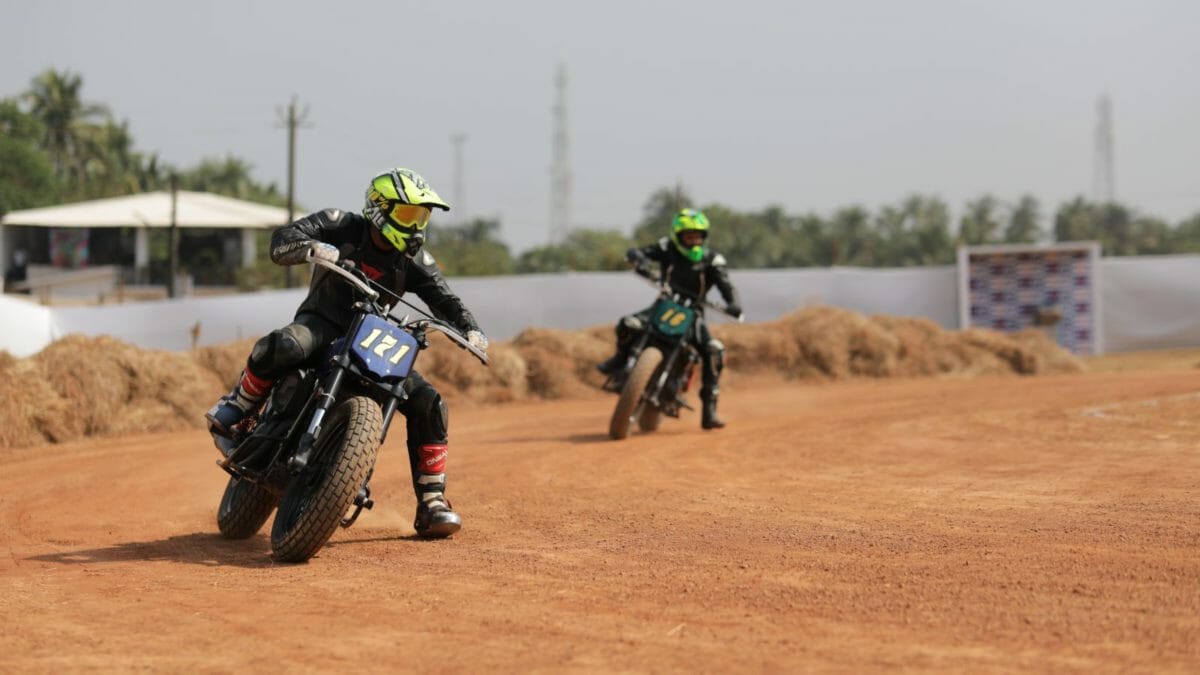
(326, 311)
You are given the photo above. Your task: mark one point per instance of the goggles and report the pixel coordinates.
(410, 216)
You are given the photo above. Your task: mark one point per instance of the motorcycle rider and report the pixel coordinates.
(385, 243)
(691, 266)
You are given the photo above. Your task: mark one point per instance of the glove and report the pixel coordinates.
(734, 309)
(326, 252)
(478, 340)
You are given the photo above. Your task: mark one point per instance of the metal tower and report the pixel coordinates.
(1104, 185)
(460, 195)
(560, 167)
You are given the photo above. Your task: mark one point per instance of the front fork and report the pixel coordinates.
(653, 392)
(326, 397)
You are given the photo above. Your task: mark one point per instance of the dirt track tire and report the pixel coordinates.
(244, 508)
(631, 393)
(649, 419)
(317, 499)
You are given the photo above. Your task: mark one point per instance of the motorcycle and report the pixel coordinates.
(310, 449)
(662, 361)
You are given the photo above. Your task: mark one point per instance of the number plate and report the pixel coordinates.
(383, 349)
(671, 318)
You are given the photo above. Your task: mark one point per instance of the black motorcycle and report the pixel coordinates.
(311, 447)
(662, 362)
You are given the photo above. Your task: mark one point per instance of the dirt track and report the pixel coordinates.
(1001, 524)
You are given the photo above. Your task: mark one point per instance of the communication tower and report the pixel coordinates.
(460, 194)
(1104, 184)
(560, 167)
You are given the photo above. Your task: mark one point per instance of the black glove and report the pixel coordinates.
(734, 309)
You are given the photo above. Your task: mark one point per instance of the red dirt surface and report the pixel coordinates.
(998, 524)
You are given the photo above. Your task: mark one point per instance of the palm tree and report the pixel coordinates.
(660, 208)
(979, 224)
(54, 100)
(1024, 222)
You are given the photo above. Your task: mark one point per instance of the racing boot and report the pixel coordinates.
(232, 408)
(613, 364)
(626, 331)
(435, 518)
(708, 415)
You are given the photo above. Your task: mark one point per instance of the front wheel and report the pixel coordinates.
(319, 496)
(650, 418)
(631, 393)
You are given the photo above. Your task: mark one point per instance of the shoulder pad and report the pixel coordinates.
(664, 243)
(718, 260)
(425, 259)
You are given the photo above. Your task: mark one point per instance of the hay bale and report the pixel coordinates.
(93, 386)
(87, 386)
(226, 361)
(455, 371)
(30, 409)
(559, 363)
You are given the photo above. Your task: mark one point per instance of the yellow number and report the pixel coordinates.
(399, 354)
(370, 338)
(673, 317)
(385, 344)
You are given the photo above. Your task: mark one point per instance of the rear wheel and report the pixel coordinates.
(631, 393)
(244, 508)
(317, 499)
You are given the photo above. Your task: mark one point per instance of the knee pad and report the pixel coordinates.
(715, 350)
(628, 327)
(429, 416)
(276, 353)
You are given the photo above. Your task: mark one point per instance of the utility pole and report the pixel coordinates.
(560, 166)
(173, 241)
(460, 197)
(1104, 182)
(292, 121)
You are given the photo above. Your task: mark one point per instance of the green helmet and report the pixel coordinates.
(399, 202)
(689, 220)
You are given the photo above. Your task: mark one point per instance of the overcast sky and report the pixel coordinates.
(812, 106)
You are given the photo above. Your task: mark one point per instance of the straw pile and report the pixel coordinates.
(92, 386)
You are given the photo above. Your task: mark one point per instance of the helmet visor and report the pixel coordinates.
(411, 216)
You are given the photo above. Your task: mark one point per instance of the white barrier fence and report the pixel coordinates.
(1150, 302)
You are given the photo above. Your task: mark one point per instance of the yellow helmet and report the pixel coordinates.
(399, 203)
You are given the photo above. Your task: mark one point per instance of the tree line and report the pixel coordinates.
(56, 148)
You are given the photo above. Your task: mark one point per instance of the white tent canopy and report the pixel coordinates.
(153, 209)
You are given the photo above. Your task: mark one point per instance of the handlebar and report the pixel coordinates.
(435, 324)
(454, 336)
(340, 271)
(661, 284)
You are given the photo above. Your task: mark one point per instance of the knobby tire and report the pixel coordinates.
(316, 500)
(631, 393)
(244, 508)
